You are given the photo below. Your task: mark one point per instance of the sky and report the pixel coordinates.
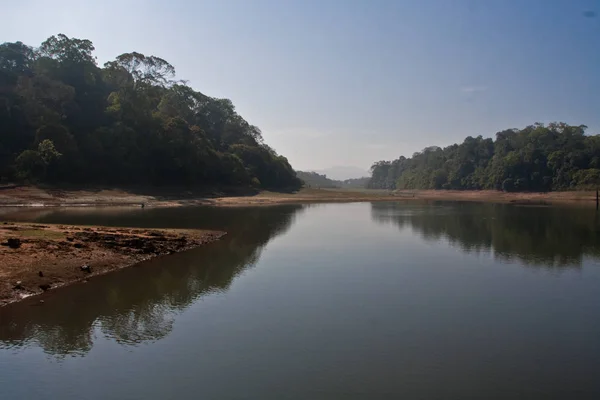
(348, 82)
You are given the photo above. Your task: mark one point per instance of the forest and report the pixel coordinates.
(64, 119)
(536, 158)
(316, 180)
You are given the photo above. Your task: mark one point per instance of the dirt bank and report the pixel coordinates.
(342, 195)
(576, 198)
(35, 196)
(38, 258)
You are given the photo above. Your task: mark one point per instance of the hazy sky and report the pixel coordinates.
(344, 82)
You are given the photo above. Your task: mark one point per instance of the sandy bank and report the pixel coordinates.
(341, 195)
(30, 196)
(37, 258)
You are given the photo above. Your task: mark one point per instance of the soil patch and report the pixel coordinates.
(37, 258)
(32, 196)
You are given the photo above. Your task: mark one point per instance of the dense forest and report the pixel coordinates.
(537, 158)
(64, 119)
(316, 180)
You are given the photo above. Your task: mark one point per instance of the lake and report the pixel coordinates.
(338, 301)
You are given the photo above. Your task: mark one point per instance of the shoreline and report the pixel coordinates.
(40, 258)
(59, 251)
(34, 197)
(586, 199)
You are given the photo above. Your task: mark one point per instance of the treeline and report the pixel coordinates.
(537, 158)
(316, 180)
(64, 119)
(356, 183)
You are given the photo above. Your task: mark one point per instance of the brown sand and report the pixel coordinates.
(50, 256)
(35, 196)
(341, 195)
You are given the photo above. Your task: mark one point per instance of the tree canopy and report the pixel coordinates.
(64, 119)
(537, 158)
(316, 180)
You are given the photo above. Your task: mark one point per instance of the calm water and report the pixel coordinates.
(341, 301)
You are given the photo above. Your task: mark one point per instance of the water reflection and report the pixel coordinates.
(140, 303)
(548, 237)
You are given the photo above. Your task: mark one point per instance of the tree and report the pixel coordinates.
(149, 70)
(15, 59)
(32, 165)
(535, 158)
(68, 50)
(65, 120)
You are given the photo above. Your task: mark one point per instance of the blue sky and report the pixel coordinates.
(336, 82)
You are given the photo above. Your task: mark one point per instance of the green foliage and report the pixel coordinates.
(508, 185)
(32, 165)
(29, 166)
(65, 119)
(536, 158)
(314, 180)
(587, 177)
(48, 152)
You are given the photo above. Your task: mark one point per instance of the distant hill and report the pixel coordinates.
(313, 179)
(341, 173)
(316, 180)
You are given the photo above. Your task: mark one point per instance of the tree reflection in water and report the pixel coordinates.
(140, 303)
(549, 237)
